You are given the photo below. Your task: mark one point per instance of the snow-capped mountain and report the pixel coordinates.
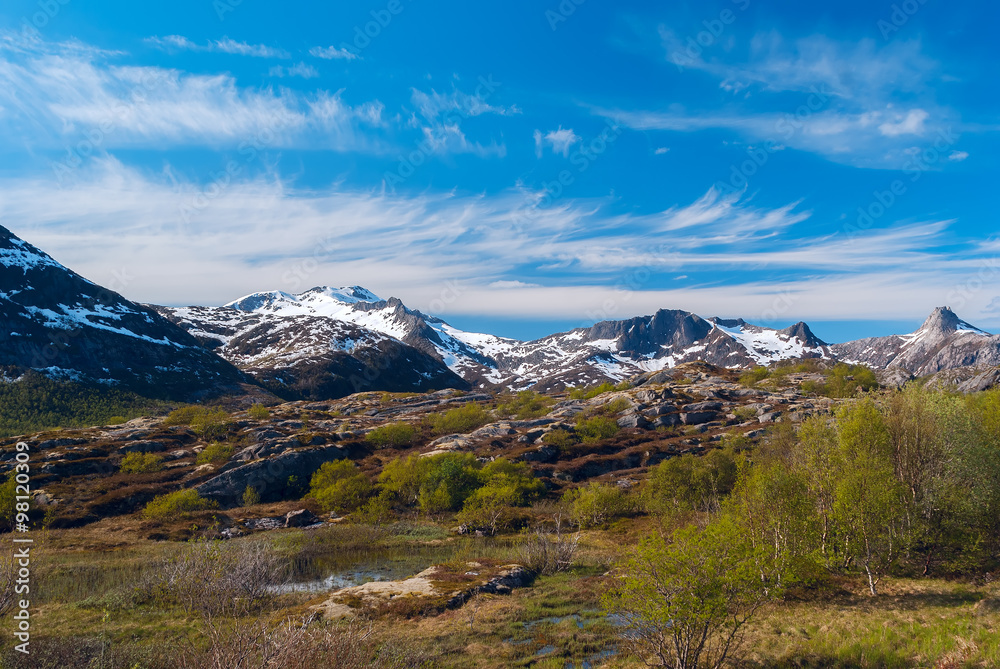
(943, 342)
(59, 323)
(607, 351)
(312, 349)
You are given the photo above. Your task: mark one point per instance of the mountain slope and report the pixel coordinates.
(300, 355)
(606, 351)
(57, 322)
(943, 342)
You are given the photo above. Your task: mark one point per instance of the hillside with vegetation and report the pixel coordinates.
(792, 516)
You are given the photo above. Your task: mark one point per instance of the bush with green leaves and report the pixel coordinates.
(339, 486)
(754, 376)
(595, 504)
(216, 453)
(505, 485)
(686, 603)
(141, 463)
(561, 439)
(459, 420)
(259, 412)
(844, 381)
(590, 391)
(8, 501)
(596, 428)
(392, 435)
(524, 405)
(212, 424)
(250, 496)
(180, 503)
(691, 482)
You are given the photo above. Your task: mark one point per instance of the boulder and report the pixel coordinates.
(698, 417)
(269, 476)
(143, 447)
(301, 518)
(633, 420)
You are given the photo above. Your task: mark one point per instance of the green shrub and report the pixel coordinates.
(180, 503)
(754, 376)
(259, 412)
(465, 418)
(216, 453)
(250, 496)
(596, 503)
(117, 420)
(615, 406)
(8, 501)
(596, 428)
(141, 463)
(690, 482)
(437, 483)
(209, 423)
(559, 438)
(392, 435)
(745, 413)
(524, 405)
(590, 391)
(339, 486)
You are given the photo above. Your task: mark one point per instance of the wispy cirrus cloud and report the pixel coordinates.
(735, 256)
(53, 94)
(860, 102)
(224, 45)
(333, 53)
(439, 117)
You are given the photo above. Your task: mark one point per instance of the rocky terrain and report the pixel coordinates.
(58, 322)
(684, 410)
(944, 342)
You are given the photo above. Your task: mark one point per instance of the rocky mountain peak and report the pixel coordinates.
(945, 321)
(802, 332)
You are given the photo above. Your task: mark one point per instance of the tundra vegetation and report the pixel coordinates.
(864, 532)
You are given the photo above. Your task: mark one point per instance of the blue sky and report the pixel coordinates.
(515, 166)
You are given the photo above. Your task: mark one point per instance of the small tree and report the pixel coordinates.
(340, 486)
(685, 604)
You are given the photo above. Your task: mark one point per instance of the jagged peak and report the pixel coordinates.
(802, 332)
(945, 321)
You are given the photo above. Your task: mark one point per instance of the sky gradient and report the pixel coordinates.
(517, 167)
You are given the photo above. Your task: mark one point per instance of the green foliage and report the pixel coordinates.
(447, 481)
(561, 439)
(216, 453)
(745, 413)
(844, 381)
(392, 435)
(590, 391)
(209, 423)
(754, 376)
(685, 602)
(615, 406)
(691, 483)
(465, 418)
(259, 412)
(180, 503)
(250, 496)
(596, 504)
(8, 500)
(36, 403)
(141, 463)
(524, 405)
(339, 486)
(596, 428)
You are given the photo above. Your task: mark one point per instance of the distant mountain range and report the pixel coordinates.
(330, 342)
